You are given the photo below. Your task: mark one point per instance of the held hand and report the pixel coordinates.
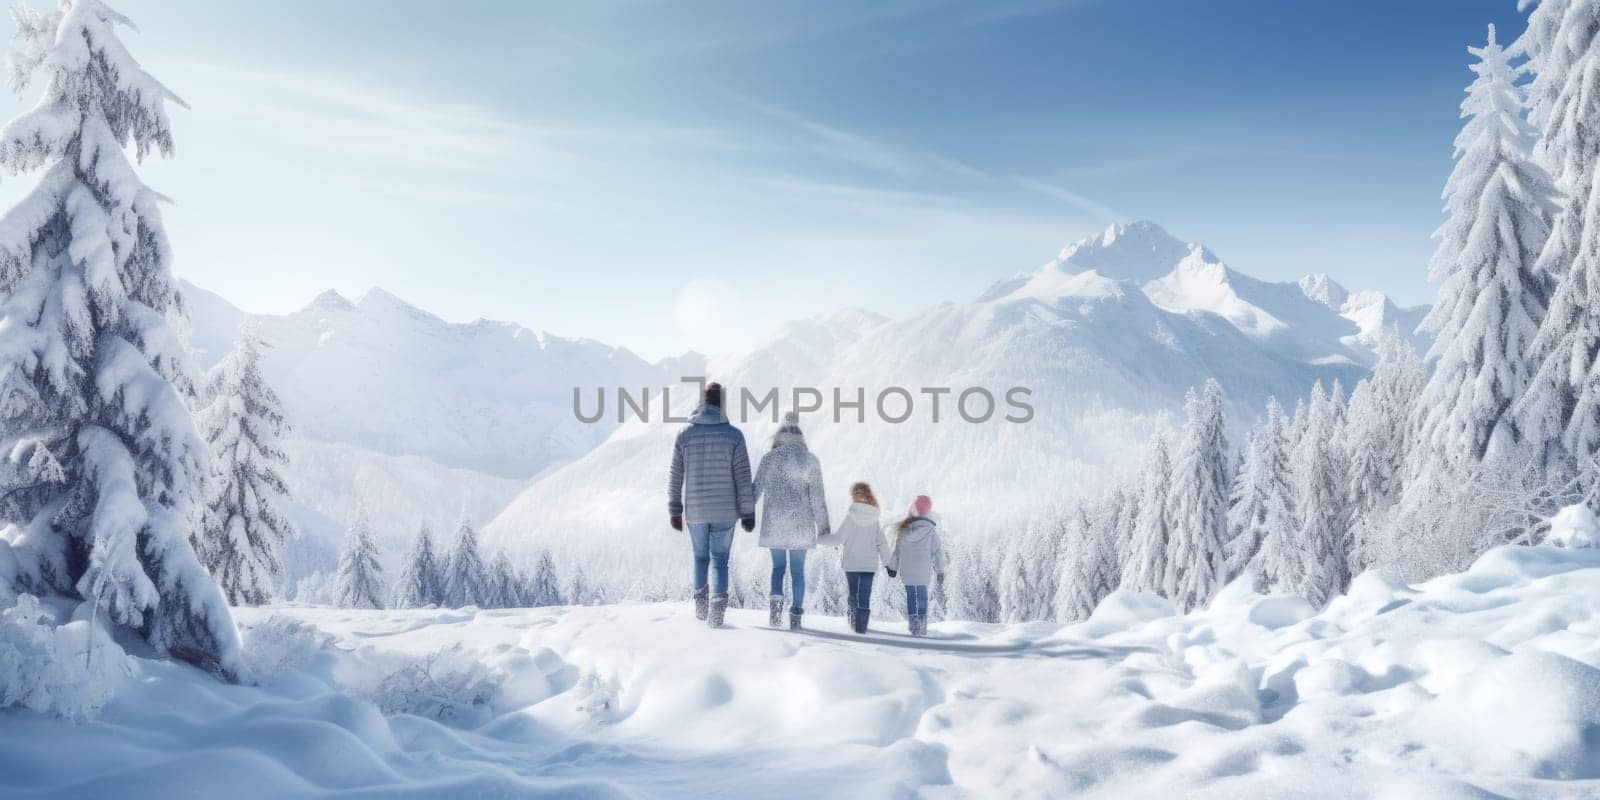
(676, 522)
(890, 571)
(748, 523)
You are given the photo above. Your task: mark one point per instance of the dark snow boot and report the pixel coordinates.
(850, 618)
(918, 624)
(702, 600)
(775, 610)
(859, 620)
(794, 618)
(717, 607)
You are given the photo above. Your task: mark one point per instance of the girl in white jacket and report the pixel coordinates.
(917, 556)
(862, 548)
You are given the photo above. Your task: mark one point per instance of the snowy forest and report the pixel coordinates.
(1414, 470)
(148, 507)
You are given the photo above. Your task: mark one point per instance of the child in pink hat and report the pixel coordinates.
(917, 557)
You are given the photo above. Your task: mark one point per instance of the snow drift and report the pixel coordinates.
(1473, 685)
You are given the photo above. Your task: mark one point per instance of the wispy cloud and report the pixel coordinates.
(839, 144)
(1082, 203)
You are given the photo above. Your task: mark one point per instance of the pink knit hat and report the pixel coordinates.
(921, 506)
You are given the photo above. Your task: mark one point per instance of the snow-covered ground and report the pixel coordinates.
(1482, 684)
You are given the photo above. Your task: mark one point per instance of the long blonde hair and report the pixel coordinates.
(861, 492)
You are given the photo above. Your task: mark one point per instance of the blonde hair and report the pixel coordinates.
(861, 492)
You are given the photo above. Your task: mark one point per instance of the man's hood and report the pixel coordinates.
(708, 415)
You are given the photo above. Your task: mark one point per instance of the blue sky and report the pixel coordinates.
(606, 169)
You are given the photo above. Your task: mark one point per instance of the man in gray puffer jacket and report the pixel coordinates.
(709, 489)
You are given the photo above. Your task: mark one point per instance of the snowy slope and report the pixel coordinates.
(1314, 320)
(416, 419)
(1108, 359)
(1477, 685)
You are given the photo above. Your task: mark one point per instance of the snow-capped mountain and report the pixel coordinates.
(1314, 320)
(410, 417)
(1108, 337)
(418, 419)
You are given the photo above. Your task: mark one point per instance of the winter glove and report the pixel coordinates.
(748, 523)
(677, 522)
(890, 571)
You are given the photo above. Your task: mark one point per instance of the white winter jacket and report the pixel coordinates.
(860, 539)
(916, 552)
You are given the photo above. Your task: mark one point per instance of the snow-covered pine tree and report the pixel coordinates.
(1378, 439)
(1558, 414)
(359, 582)
(421, 581)
(1264, 516)
(104, 464)
(975, 593)
(1028, 579)
(1146, 566)
(1088, 566)
(544, 587)
(242, 527)
(1127, 522)
(1318, 546)
(1108, 520)
(577, 592)
(466, 581)
(1198, 501)
(504, 590)
(1491, 294)
(1263, 510)
(1552, 42)
(827, 586)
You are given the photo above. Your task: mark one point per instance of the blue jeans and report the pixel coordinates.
(712, 541)
(916, 600)
(860, 586)
(796, 561)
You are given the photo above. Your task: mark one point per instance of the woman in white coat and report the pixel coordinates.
(788, 484)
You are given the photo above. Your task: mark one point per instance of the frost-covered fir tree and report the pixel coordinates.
(242, 525)
(1146, 567)
(1108, 520)
(466, 580)
(1316, 566)
(359, 582)
(544, 587)
(1028, 573)
(421, 581)
(1198, 501)
(827, 586)
(1088, 567)
(1491, 294)
(1262, 512)
(576, 588)
(504, 591)
(1552, 43)
(1378, 438)
(1559, 413)
(103, 462)
(975, 593)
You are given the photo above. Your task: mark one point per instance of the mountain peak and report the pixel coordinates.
(1132, 251)
(1325, 290)
(331, 299)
